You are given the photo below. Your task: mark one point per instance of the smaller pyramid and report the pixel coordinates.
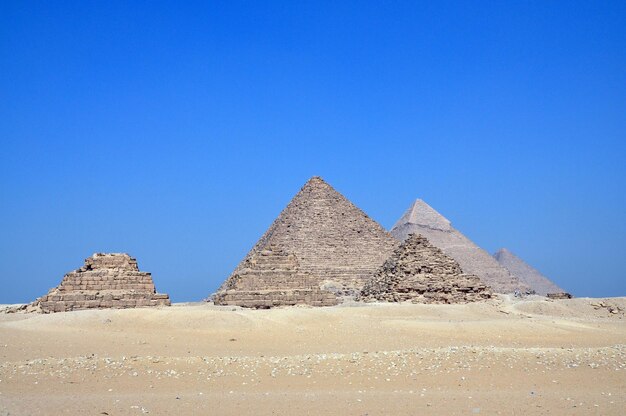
(110, 280)
(422, 273)
(525, 273)
(270, 278)
(422, 219)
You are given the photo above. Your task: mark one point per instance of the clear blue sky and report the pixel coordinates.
(177, 133)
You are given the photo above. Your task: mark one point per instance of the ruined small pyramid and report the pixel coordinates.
(321, 244)
(422, 219)
(527, 274)
(419, 272)
(110, 280)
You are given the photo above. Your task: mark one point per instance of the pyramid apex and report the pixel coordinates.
(420, 203)
(503, 252)
(316, 179)
(420, 213)
(318, 183)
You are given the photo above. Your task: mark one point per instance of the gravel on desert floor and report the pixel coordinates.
(505, 356)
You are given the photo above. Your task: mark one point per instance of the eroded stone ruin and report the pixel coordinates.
(321, 244)
(527, 274)
(105, 281)
(419, 272)
(422, 219)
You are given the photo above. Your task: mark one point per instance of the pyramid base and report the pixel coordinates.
(111, 299)
(429, 298)
(265, 299)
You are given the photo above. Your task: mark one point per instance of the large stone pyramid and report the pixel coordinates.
(422, 219)
(419, 272)
(527, 274)
(105, 281)
(319, 241)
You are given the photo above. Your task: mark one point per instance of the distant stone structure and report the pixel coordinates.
(419, 272)
(422, 219)
(559, 295)
(321, 245)
(105, 281)
(525, 273)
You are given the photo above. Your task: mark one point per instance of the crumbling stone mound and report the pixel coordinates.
(419, 272)
(273, 278)
(422, 219)
(336, 245)
(105, 281)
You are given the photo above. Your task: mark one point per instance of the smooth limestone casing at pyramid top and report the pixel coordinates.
(331, 242)
(422, 219)
(107, 280)
(419, 272)
(527, 274)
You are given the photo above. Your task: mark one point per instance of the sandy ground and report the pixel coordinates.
(506, 357)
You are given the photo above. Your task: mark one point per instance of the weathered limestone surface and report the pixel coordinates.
(105, 281)
(527, 274)
(334, 243)
(422, 219)
(271, 278)
(419, 272)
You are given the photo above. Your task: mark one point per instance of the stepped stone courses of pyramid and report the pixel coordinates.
(527, 274)
(105, 281)
(422, 219)
(419, 272)
(273, 278)
(333, 242)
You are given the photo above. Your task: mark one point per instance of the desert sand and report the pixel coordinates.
(504, 356)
